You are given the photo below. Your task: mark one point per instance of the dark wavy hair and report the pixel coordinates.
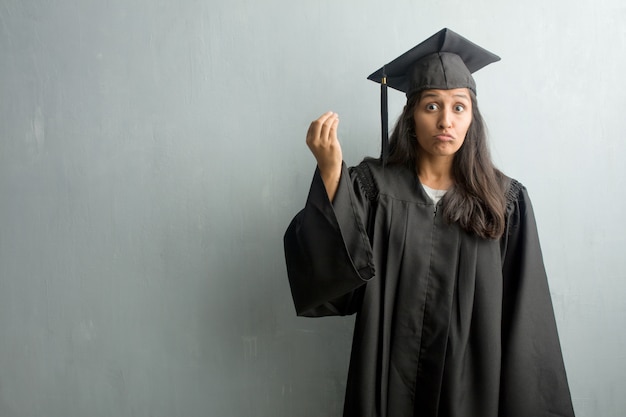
(477, 200)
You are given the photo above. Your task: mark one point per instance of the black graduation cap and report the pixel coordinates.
(444, 61)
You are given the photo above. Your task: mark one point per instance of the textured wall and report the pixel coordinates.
(152, 153)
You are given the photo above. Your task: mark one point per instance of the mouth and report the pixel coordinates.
(444, 137)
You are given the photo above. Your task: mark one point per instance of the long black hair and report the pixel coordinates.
(477, 200)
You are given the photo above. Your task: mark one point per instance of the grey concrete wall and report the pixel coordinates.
(152, 154)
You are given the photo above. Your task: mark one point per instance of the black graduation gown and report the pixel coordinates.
(448, 324)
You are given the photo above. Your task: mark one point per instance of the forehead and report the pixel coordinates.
(455, 93)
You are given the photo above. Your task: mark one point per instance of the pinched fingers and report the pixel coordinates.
(323, 131)
(322, 141)
(329, 127)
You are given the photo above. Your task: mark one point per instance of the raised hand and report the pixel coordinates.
(321, 139)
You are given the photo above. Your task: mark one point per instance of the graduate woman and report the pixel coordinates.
(437, 253)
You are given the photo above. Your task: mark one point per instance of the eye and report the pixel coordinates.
(432, 107)
(459, 108)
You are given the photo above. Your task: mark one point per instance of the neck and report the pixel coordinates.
(436, 172)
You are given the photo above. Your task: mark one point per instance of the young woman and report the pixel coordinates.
(437, 253)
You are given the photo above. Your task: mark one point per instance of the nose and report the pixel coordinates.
(445, 119)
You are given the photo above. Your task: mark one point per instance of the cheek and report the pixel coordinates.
(466, 129)
(420, 122)
(465, 125)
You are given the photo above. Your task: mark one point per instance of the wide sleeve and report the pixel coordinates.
(327, 249)
(533, 380)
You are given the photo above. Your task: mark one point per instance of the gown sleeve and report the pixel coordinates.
(327, 249)
(533, 380)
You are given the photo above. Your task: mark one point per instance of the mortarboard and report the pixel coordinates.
(444, 61)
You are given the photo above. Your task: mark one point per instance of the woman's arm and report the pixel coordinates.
(327, 248)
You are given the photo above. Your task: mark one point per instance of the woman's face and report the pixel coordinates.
(442, 118)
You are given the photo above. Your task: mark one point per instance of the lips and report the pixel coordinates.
(444, 137)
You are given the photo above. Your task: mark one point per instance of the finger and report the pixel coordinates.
(315, 129)
(327, 126)
(325, 116)
(334, 127)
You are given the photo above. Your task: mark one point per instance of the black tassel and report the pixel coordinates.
(384, 148)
